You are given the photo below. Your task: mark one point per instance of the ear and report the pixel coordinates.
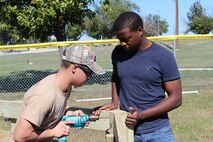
(141, 31)
(73, 68)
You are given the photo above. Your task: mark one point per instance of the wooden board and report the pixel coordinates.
(121, 132)
(10, 109)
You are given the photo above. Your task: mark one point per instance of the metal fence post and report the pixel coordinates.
(174, 48)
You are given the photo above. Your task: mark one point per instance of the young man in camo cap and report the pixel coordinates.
(45, 102)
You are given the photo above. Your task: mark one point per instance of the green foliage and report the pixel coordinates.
(154, 26)
(4, 35)
(163, 26)
(74, 32)
(100, 27)
(201, 25)
(8, 35)
(43, 18)
(196, 10)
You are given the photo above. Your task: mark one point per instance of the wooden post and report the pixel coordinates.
(112, 122)
(109, 138)
(13, 124)
(11, 110)
(118, 128)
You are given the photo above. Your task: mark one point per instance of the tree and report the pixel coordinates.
(9, 35)
(201, 25)
(42, 18)
(196, 10)
(100, 27)
(74, 32)
(5, 35)
(154, 26)
(198, 21)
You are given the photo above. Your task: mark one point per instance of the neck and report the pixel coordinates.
(63, 81)
(145, 43)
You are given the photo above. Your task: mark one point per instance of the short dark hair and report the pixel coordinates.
(66, 64)
(129, 20)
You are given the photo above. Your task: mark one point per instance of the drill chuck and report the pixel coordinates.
(80, 121)
(93, 117)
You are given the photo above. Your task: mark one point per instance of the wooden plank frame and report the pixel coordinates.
(112, 122)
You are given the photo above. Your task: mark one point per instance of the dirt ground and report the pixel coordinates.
(85, 135)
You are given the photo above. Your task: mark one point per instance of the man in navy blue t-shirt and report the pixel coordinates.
(143, 72)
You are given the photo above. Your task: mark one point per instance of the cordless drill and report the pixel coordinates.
(79, 122)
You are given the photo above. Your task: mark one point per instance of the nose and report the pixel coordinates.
(123, 43)
(89, 76)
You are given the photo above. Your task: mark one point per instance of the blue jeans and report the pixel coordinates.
(163, 135)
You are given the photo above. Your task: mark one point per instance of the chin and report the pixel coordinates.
(128, 49)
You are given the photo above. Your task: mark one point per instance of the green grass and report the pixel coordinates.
(195, 53)
(191, 122)
(197, 80)
(191, 54)
(188, 55)
(17, 63)
(46, 61)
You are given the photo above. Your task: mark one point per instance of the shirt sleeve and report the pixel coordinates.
(169, 68)
(35, 109)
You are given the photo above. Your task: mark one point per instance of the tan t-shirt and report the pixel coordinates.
(44, 103)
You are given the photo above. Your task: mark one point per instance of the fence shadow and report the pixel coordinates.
(100, 79)
(22, 81)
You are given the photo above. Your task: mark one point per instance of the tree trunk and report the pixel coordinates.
(60, 36)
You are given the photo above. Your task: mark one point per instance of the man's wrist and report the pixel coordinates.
(140, 115)
(51, 133)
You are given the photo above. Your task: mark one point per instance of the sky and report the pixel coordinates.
(166, 10)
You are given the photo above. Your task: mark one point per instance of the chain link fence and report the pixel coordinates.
(20, 68)
(195, 60)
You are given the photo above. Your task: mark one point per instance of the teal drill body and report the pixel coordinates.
(79, 122)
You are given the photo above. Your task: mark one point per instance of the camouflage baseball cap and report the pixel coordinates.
(82, 54)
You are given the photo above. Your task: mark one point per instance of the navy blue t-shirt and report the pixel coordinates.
(139, 78)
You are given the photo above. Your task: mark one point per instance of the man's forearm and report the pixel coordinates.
(37, 136)
(41, 135)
